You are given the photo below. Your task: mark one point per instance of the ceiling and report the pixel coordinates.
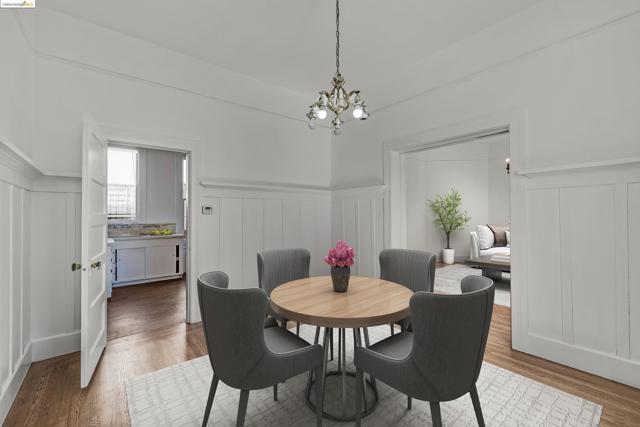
(290, 43)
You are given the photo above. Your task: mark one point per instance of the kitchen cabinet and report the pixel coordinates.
(130, 264)
(145, 259)
(162, 261)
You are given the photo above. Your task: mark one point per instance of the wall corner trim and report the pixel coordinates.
(10, 388)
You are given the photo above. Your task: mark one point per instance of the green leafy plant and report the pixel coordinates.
(449, 217)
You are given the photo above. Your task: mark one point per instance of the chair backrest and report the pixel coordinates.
(279, 266)
(413, 269)
(233, 326)
(450, 335)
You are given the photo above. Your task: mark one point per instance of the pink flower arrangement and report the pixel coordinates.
(340, 256)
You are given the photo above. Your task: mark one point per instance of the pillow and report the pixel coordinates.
(485, 236)
(508, 233)
(499, 234)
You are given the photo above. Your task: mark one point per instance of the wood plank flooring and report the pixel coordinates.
(51, 396)
(141, 308)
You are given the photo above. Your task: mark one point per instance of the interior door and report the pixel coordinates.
(93, 250)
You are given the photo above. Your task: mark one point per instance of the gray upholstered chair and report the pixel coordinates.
(410, 268)
(243, 353)
(441, 359)
(279, 266)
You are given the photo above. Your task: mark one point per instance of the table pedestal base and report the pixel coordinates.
(340, 385)
(333, 403)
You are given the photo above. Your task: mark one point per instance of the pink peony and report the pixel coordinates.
(341, 256)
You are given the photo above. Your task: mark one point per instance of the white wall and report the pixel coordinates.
(249, 219)
(570, 69)
(499, 182)
(16, 83)
(250, 131)
(247, 131)
(463, 167)
(16, 115)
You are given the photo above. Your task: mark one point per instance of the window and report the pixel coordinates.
(122, 185)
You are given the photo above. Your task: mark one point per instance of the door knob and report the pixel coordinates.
(75, 266)
(96, 264)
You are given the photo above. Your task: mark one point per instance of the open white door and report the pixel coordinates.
(93, 250)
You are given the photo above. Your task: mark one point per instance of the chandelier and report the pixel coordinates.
(337, 100)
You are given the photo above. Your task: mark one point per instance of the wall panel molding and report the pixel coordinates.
(594, 286)
(358, 218)
(16, 174)
(248, 218)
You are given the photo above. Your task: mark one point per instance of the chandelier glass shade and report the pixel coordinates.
(337, 100)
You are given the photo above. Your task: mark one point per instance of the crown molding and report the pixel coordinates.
(16, 160)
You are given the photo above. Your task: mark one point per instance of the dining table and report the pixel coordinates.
(368, 302)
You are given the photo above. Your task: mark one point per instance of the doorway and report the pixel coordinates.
(147, 239)
(513, 121)
(477, 173)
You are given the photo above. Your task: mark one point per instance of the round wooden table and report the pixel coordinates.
(367, 302)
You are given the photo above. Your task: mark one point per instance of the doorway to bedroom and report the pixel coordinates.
(472, 178)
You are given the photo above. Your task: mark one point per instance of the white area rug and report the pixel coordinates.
(176, 396)
(448, 282)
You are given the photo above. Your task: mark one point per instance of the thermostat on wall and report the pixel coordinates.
(207, 209)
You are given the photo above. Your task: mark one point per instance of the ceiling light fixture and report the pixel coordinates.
(338, 101)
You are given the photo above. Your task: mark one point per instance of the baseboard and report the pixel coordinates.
(12, 385)
(606, 365)
(56, 345)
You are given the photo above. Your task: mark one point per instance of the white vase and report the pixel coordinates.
(448, 256)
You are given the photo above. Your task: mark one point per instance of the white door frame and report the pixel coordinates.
(192, 148)
(395, 227)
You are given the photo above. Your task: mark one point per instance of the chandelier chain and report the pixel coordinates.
(338, 36)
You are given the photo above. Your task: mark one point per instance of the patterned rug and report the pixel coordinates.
(176, 396)
(448, 282)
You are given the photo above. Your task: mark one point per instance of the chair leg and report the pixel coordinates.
(242, 408)
(298, 328)
(476, 405)
(393, 330)
(319, 396)
(435, 414)
(408, 402)
(331, 344)
(367, 344)
(358, 399)
(275, 392)
(212, 393)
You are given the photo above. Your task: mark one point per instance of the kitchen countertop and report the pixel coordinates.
(169, 236)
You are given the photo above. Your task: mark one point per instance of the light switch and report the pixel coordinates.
(207, 209)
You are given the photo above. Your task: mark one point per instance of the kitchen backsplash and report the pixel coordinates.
(137, 229)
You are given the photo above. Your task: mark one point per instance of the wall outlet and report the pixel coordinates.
(207, 210)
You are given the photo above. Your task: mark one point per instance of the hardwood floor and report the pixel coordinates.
(51, 396)
(142, 308)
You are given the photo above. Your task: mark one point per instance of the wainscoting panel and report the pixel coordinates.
(358, 219)
(634, 269)
(249, 219)
(587, 216)
(55, 244)
(582, 270)
(15, 311)
(545, 291)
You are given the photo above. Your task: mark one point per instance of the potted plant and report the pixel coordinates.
(340, 259)
(449, 218)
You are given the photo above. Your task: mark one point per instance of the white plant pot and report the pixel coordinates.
(448, 256)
